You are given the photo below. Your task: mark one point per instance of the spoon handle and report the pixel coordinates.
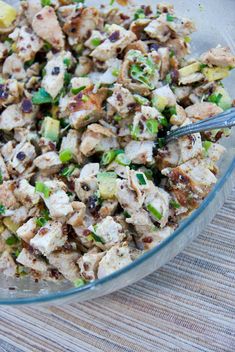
(224, 120)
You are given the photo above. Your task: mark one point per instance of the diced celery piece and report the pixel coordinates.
(189, 70)
(10, 224)
(215, 73)
(51, 129)
(107, 184)
(7, 14)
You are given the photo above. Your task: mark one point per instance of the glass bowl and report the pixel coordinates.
(215, 23)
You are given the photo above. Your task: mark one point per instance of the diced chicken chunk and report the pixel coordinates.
(118, 40)
(140, 152)
(7, 264)
(88, 265)
(27, 231)
(11, 117)
(49, 238)
(65, 263)
(96, 139)
(109, 231)
(58, 201)
(3, 168)
(27, 43)
(166, 93)
(7, 198)
(13, 67)
(79, 27)
(53, 81)
(22, 157)
(158, 199)
(122, 100)
(190, 182)
(48, 163)
(29, 260)
(201, 111)
(114, 259)
(89, 170)
(88, 110)
(152, 239)
(31, 8)
(25, 193)
(158, 29)
(45, 24)
(219, 56)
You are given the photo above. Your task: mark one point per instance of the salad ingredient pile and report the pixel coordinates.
(85, 94)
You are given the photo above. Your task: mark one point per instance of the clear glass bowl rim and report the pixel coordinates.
(137, 263)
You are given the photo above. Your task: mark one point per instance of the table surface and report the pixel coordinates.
(187, 306)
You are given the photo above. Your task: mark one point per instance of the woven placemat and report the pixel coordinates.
(187, 306)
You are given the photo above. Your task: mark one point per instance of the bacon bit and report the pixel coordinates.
(175, 76)
(52, 145)
(86, 232)
(114, 36)
(43, 231)
(124, 17)
(27, 106)
(39, 17)
(148, 239)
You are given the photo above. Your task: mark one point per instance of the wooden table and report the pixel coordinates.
(187, 306)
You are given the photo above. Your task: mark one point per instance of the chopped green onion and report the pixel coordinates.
(215, 98)
(10, 241)
(121, 159)
(108, 157)
(141, 179)
(172, 53)
(187, 39)
(202, 66)
(161, 142)
(126, 214)
(65, 155)
(117, 118)
(79, 1)
(168, 79)
(41, 221)
(2, 209)
(95, 41)
(47, 46)
(174, 204)
(141, 100)
(67, 62)
(148, 173)
(45, 2)
(152, 126)
(67, 78)
(29, 63)
(42, 188)
(111, 2)
(135, 131)
(67, 171)
(115, 72)
(206, 145)
(139, 14)
(155, 213)
(41, 97)
(164, 122)
(1, 177)
(45, 213)
(16, 253)
(170, 18)
(79, 282)
(75, 91)
(85, 98)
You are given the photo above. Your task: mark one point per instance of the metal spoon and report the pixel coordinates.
(224, 120)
